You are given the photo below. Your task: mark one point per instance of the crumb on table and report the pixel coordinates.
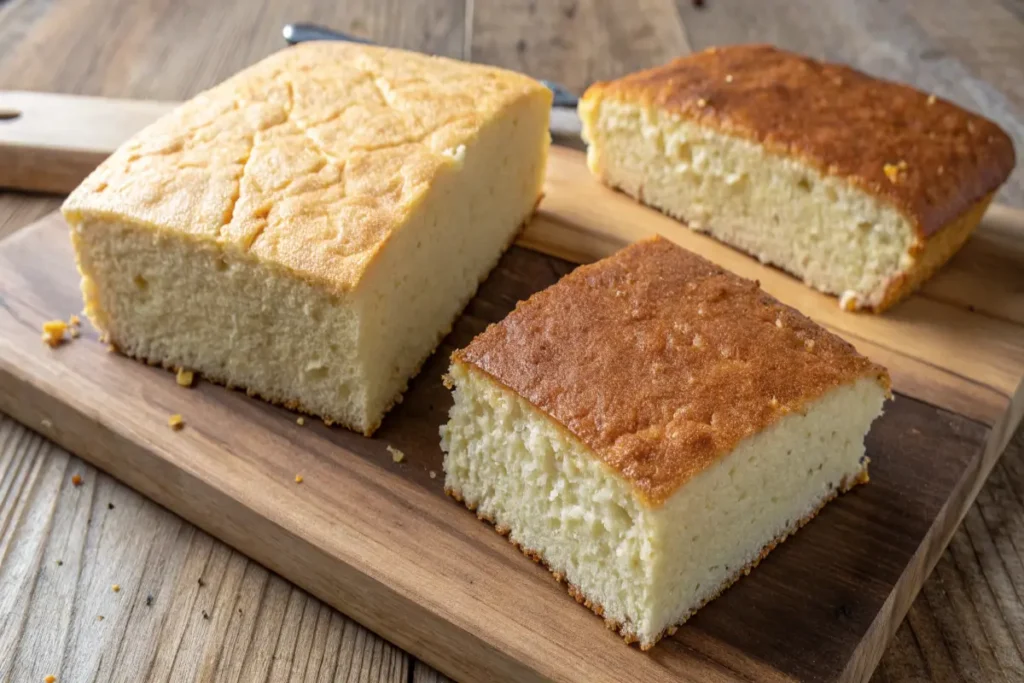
(175, 422)
(300, 420)
(396, 455)
(298, 478)
(433, 474)
(76, 480)
(53, 332)
(116, 588)
(185, 377)
(74, 320)
(50, 679)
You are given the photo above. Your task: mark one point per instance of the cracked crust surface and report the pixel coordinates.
(309, 159)
(626, 630)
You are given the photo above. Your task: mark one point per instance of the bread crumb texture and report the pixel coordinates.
(282, 231)
(661, 361)
(284, 158)
(396, 455)
(53, 332)
(185, 377)
(175, 422)
(839, 120)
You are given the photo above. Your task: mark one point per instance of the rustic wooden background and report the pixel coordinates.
(190, 608)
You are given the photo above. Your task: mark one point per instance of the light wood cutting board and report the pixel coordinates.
(379, 541)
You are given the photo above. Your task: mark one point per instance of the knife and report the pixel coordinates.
(51, 142)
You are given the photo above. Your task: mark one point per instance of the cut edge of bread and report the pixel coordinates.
(823, 229)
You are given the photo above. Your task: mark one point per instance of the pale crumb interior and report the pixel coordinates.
(648, 567)
(834, 236)
(175, 300)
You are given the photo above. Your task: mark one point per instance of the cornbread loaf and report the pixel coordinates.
(861, 187)
(310, 228)
(651, 427)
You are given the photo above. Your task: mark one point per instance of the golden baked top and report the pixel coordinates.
(661, 362)
(928, 157)
(309, 158)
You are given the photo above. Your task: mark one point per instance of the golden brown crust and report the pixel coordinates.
(928, 157)
(308, 160)
(936, 251)
(626, 630)
(661, 362)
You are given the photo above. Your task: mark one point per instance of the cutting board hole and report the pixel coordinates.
(8, 114)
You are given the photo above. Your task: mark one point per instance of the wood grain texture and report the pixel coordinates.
(380, 541)
(170, 50)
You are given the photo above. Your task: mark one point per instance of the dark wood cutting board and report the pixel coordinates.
(379, 541)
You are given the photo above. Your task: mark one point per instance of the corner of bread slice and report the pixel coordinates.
(647, 566)
(835, 236)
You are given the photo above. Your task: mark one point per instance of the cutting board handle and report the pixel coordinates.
(50, 143)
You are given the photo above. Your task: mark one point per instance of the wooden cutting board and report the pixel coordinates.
(379, 541)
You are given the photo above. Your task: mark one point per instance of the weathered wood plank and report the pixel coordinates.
(167, 51)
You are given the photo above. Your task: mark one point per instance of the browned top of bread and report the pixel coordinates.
(661, 361)
(930, 158)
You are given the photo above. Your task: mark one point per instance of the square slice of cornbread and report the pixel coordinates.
(309, 229)
(651, 427)
(861, 187)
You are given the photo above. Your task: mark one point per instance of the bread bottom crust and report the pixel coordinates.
(625, 629)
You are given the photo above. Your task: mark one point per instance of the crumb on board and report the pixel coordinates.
(149, 600)
(175, 422)
(116, 588)
(50, 679)
(300, 420)
(396, 455)
(185, 377)
(47, 424)
(298, 478)
(433, 474)
(200, 582)
(74, 320)
(53, 332)
(60, 563)
(206, 615)
(75, 333)
(76, 480)
(99, 617)
(110, 506)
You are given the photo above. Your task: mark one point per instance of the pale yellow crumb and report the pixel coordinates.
(53, 332)
(298, 478)
(116, 588)
(931, 100)
(74, 320)
(396, 455)
(47, 424)
(300, 420)
(185, 377)
(433, 474)
(175, 422)
(75, 333)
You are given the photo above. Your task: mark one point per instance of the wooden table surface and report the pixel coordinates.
(99, 584)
